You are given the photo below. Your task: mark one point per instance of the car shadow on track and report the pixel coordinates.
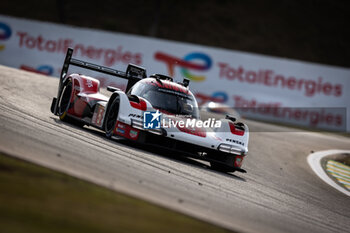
(156, 151)
(175, 156)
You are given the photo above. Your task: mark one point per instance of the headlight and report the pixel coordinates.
(155, 131)
(230, 149)
(139, 125)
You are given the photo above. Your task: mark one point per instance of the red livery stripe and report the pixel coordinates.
(141, 105)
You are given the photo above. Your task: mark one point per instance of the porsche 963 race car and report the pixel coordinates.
(153, 110)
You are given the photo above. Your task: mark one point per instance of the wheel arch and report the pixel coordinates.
(115, 94)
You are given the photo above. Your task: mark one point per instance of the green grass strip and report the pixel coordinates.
(37, 199)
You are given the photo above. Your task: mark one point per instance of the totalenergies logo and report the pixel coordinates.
(42, 69)
(5, 33)
(218, 96)
(186, 64)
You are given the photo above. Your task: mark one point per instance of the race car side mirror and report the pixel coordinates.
(231, 118)
(186, 82)
(112, 89)
(188, 108)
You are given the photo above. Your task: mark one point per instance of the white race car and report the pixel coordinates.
(153, 110)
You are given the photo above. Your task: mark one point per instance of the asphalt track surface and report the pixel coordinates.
(280, 193)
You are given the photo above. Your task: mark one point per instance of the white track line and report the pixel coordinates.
(314, 161)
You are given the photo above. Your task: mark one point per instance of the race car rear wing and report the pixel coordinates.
(133, 74)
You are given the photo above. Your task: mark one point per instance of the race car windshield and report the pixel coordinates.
(171, 101)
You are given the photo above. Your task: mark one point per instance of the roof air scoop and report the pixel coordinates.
(162, 77)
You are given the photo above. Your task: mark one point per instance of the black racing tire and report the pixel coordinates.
(64, 101)
(221, 167)
(111, 117)
(64, 105)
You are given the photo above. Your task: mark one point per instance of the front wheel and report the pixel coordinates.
(64, 104)
(111, 117)
(64, 101)
(221, 167)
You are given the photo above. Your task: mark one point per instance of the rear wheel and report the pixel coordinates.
(111, 117)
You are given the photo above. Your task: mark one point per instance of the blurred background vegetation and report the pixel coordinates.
(310, 30)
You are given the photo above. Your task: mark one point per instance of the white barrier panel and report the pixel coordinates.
(235, 78)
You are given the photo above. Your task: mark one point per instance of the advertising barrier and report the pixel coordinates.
(314, 95)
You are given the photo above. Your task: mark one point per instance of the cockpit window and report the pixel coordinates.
(171, 101)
